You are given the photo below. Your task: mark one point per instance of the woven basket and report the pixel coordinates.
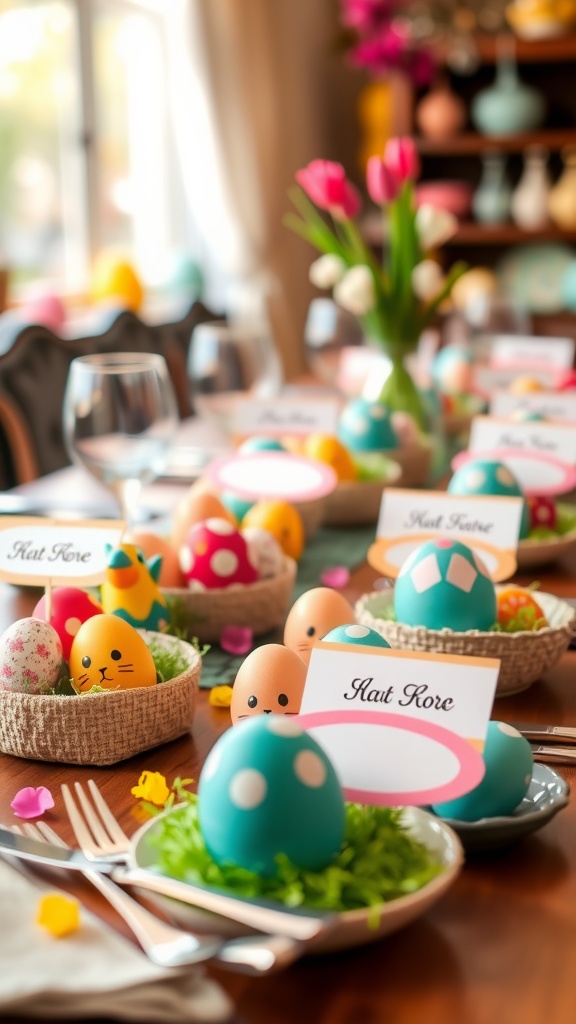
(414, 461)
(531, 554)
(261, 606)
(101, 728)
(312, 515)
(357, 502)
(524, 657)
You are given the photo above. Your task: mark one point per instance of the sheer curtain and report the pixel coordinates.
(257, 91)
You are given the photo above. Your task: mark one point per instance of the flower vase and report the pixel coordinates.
(391, 383)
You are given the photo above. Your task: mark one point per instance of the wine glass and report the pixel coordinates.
(228, 362)
(119, 417)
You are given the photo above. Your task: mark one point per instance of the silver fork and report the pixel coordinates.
(101, 838)
(173, 947)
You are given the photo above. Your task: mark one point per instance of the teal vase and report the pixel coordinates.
(509, 105)
(491, 200)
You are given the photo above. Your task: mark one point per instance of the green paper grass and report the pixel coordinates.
(379, 861)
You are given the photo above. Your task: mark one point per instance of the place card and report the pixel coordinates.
(39, 552)
(275, 475)
(286, 417)
(488, 524)
(400, 727)
(488, 379)
(531, 352)
(552, 405)
(542, 456)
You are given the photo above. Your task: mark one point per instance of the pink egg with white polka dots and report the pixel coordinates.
(71, 608)
(215, 554)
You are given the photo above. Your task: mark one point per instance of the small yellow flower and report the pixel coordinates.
(152, 787)
(220, 696)
(58, 914)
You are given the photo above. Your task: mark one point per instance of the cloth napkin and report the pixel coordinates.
(93, 972)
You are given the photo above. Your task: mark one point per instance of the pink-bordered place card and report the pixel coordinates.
(286, 416)
(400, 727)
(542, 456)
(408, 518)
(526, 352)
(275, 475)
(551, 405)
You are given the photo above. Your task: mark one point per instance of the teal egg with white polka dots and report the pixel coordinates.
(452, 370)
(261, 444)
(356, 634)
(509, 763)
(366, 426)
(487, 476)
(268, 788)
(444, 584)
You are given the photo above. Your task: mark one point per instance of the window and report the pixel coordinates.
(87, 153)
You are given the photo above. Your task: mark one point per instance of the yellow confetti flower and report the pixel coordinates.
(58, 914)
(152, 787)
(220, 696)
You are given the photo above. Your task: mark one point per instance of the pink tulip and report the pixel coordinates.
(382, 184)
(402, 159)
(325, 183)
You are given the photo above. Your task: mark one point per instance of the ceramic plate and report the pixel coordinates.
(547, 794)
(352, 927)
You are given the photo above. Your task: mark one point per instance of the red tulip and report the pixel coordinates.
(382, 184)
(325, 183)
(402, 159)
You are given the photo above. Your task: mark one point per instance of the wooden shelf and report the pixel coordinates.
(473, 143)
(536, 51)
(471, 233)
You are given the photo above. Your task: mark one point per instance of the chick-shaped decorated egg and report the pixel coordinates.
(152, 546)
(282, 520)
(70, 607)
(216, 555)
(509, 763)
(328, 449)
(487, 476)
(30, 657)
(110, 654)
(261, 444)
(519, 610)
(366, 426)
(354, 633)
(264, 551)
(270, 681)
(452, 370)
(267, 788)
(312, 616)
(542, 512)
(444, 584)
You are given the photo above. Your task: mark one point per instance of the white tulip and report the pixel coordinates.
(355, 292)
(326, 271)
(434, 226)
(427, 280)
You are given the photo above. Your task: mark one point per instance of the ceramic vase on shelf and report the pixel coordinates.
(491, 200)
(441, 113)
(562, 199)
(509, 105)
(529, 204)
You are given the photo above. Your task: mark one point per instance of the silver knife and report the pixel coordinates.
(555, 754)
(259, 914)
(546, 733)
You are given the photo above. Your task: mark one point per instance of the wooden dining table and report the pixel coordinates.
(498, 948)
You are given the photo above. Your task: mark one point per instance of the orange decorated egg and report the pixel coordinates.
(197, 505)
(518, 609)
(282, 520)
(269, 681)
(150, 545)
(314, 614)
(108, 653)
(524, 385)
(331, 451)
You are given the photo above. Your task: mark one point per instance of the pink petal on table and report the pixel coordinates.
(31, 803)
(337, 577)
(236, 639)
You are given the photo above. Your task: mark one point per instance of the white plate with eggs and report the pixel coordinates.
(353, 927)
(547, 794)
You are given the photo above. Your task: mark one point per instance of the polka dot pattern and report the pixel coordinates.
(310, 769)
(72, 625)
(284, 727)
(220, 526)
(248, 789)
(224, 563)
(356, 631)
(186, 559)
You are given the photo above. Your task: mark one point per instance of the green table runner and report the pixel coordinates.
(329, 547)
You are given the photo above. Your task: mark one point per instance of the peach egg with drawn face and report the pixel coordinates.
(107, 652)
(270, 681)
(312, 616)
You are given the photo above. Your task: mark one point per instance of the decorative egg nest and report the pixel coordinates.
(312, 515)
(357, 502)
(414, 461)
(531, 554)
(102, 728)
(524, 656)
(260, 606)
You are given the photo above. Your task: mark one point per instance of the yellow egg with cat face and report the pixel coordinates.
(110, 655)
